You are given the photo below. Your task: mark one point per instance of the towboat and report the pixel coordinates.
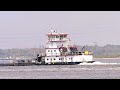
(60, 51)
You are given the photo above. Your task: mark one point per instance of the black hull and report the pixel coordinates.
(38, 63)
(63, 63)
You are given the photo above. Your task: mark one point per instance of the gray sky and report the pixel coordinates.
(26, 29)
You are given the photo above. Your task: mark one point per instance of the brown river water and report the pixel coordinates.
(106, 69)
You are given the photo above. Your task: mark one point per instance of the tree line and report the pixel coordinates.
(107, 51)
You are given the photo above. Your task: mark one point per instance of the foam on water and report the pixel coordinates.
(98, 63)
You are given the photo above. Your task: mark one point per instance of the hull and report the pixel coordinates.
(64, 60)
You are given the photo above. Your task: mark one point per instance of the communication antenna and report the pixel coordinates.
(52, 30)
(56, 30)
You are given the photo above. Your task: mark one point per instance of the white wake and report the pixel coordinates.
(98, 63)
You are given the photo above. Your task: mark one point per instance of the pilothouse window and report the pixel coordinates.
(57, 36)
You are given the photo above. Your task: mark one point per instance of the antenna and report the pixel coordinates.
(56, 30)
(52, 30)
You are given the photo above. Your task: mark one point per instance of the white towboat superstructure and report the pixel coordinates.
(59, 50)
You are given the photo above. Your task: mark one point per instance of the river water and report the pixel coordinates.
(107, 69)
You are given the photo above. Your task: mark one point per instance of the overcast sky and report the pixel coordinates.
(26, 29)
